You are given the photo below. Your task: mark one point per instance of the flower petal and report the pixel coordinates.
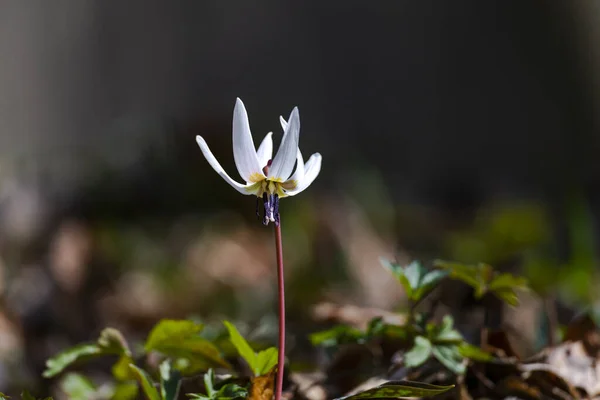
(299, 173)
(313, 167)
(243, 189)
(244, 152)
(265, 150)
(283, 122)
(284, 161)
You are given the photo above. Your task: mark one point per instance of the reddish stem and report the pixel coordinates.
(281, 295)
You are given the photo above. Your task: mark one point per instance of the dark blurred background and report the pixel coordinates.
(462, 130)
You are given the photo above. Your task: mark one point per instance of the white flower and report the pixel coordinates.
(267, 177)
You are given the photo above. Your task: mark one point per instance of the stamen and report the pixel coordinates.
(276, 208)
(267, 205)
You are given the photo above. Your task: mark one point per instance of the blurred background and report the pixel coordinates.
(463, 130)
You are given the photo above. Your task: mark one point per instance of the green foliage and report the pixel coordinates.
(77, 387)
(442, 342)
(260, 363)
(25, 395)
(180, 340)
(59, 362)
(111, 342)
(125, 391)
(344, 334)
(416, 280)
(148, 386)
(339, 334)
(170, 381)
(400, 389)
(474, 353)
(419, 353)
(484, 279)
(230, 391)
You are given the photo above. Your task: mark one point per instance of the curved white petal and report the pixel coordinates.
(313, 167)
(244, 152)
(243, 189)
(299, 173)
(265, 150)
(283, 122)
(283, 163)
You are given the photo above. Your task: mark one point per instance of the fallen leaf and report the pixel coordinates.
(262, 387)
(572, 362)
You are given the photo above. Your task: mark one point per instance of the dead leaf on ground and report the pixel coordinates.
(573, 363)
(309, 385)
(584, 328)
(262, 387)
(551, 385)
(514, 386)
(499, 344)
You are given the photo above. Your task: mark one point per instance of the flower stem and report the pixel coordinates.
(281, 296)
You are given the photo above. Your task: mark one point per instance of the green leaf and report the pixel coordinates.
(209, 378)
(505, 285)
(428, 282)
(180, 339)
(508, 296)
(228, 391)
(169, 331)
(419, 353)
(450, 357)
(508, 281)
(25, 395)
(400, 389)
(59, 362)
(395, 269)
(121, 370)
(146, 383)
(413, 272)
(376, 327)
(266, 360)
(337, 335)
(111, 342)
(231, 391)
(125, 391)
(77, 387)
(260, 363)
(478, 276)
(474, 353)
(399, 273)
(4, 396)
(242, 346)
(170, 381)
(446, 333)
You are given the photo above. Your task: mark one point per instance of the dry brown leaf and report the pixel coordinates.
(515, 386)
(552, 385)
(499, 343)
(308, 385)
(584, 328)
(262, 387)
(572, 362)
